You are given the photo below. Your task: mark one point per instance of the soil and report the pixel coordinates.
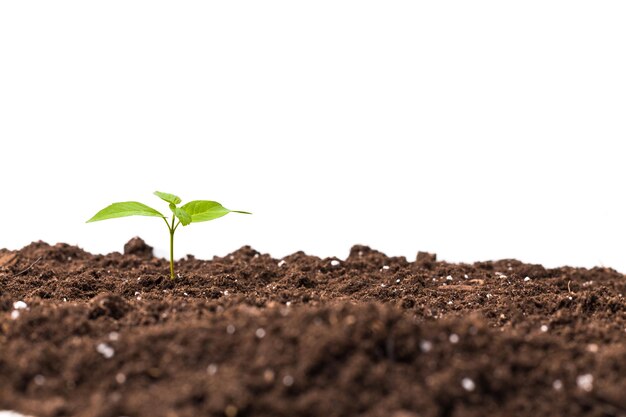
(248, 335)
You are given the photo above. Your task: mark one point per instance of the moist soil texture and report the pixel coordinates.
(249, 335)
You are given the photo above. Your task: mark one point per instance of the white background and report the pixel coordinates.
(477, 130)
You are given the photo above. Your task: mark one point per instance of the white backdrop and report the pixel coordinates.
(477, 130)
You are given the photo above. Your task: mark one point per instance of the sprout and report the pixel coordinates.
(193, 212)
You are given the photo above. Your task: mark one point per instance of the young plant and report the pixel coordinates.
(193, 212)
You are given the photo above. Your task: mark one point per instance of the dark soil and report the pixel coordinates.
(249, 335)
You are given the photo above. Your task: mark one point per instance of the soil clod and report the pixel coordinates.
(249, 335)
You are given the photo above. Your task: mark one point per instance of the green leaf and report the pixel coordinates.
(183, 216)
(170, 198)
(128, 208)
(204, 210)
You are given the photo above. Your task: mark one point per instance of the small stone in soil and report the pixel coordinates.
(544, 328)
(468, 384)
(426, 346)
(592, 347)
(454, 338)
(15, 314)
(39, 379)
(120, 378)
(281, 263)
(230, 329)
(557, 385)
(211, 369)
(585, 382)
(260, 333)
(526, 279)
(288, 380)
(334, 262)
(268, 375)
(20, 305)
(105, 350)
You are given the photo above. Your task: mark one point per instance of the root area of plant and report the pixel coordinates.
(248, 335)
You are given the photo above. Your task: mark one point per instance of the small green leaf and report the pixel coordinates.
(183, 216)
(204, 210)
(128, 208)
(170, 198)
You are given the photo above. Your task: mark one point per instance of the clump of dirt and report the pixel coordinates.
(136, 246)
(250, 335)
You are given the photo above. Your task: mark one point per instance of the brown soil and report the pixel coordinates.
(249, 335)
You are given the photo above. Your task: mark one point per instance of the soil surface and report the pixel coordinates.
(248, 335)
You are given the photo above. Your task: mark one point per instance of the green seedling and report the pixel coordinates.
(193, 212)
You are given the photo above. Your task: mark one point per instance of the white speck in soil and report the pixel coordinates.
(39, 379)
(114, 336)
(382, 285)
(468, 384)
(260, 333)
(398, 281)
(557, 385)
(64, 300)
(450, 303)
(466, 276)
(20, 305)
(334, 262)
(211, 369)
(288, 380)
(385, 267)
(4, 413)
(226, 292)
(230, 329)
(526, 279)
(185, 294)
(137, 293)
(281, 263)
(15, 314)
(585, 382)
(489, 296)
(288, 303)
(544, 328)
(449, 278)
(570, 298)
(105, 350)
(454, 338)
(592, 347)
(120, 378)
(426, 346)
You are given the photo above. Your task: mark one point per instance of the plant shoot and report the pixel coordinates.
(193, 212)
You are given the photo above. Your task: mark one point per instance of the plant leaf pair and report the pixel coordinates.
(193, 212)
